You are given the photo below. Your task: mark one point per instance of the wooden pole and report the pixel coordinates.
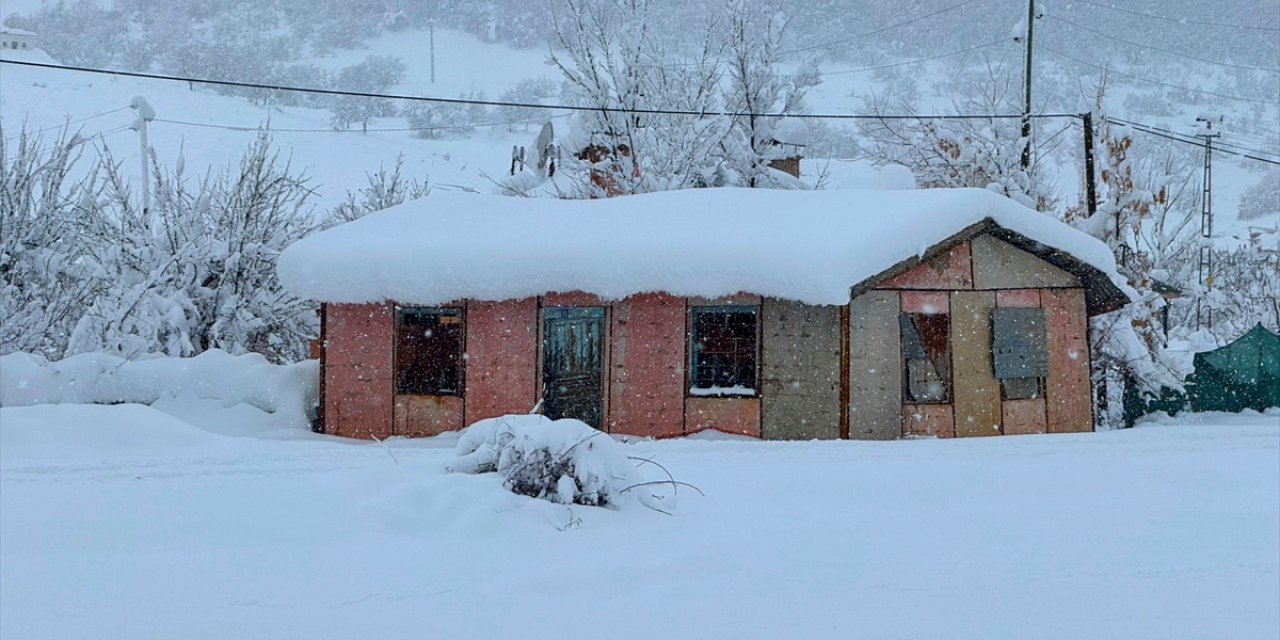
(1090, 175)
(1026, 108)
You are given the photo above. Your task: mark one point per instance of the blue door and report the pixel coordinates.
(573, 363)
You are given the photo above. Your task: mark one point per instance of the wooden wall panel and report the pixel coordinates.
(730, 415)
(1069, 402)
(647, 387)
(928, 302)
(501, 358)
(1024, 416)
(875, 367)
(420, 416)
(1000, 265)
(1025, 298)
(950, 270)
(800, 370)
(922, 420)
(976, 392)
(357, 372)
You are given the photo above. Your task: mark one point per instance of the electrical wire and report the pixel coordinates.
(901, 64)
(1204, 23)
(528, 105)
(461, 125)
(1107, 36)
(71, 122)
(880, 30)
(1216, 144)
(1157, 82)
(1176, 138)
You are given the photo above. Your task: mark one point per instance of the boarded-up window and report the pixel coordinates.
(926, 357)
(429, 343)
(723, 351)
(1019, 354)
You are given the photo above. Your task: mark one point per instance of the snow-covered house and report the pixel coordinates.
(18, 39)
(777, 314)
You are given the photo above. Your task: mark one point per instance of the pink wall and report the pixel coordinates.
(357, 370)
(950, 270)
(1068, 397)
(731, 415)
(647, 373)
(501, 358)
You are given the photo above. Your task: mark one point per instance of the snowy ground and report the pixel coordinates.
(125, 521)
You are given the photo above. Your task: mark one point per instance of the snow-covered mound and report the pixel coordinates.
(287, 391)
(808, 246)
(564, 461)
(94, 432)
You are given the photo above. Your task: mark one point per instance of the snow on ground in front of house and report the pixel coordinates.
(126, 522)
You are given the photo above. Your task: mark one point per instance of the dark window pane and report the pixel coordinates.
(428, 356)
(724, 348)
(1021, 388)
(926, 355)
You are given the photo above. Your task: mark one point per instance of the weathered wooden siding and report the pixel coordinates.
(1069, 405)
(419, 416)
(1024, 416)
(875, 367)
(1018, 298)
(800, 370)
(1000, 265)
(358, 372)
(731, 415)
(501, 358)
(926, 302)
(950, 270)
(976, 392)
(649, 346)
(928, 420)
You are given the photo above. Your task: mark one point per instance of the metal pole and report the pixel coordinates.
(431, 27)
(1205, 316)
(1026, 108)
(1090, 179)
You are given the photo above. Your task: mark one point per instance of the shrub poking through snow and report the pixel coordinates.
(563, 461)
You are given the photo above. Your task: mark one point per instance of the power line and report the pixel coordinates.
(1217, 143)
(1177, 138)
(880, 30)
(526, 105)
(461, 125)
(1157, 82)
(1108, 36)
(1204, 23)
(900, 64)
(71, 122)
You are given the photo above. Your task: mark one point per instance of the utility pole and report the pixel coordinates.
(1090, 175)
(145, 114)
(1204, 317)
(1026, 105)
(431, 29)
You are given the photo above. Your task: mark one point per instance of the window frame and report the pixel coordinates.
(945, 377)
(434, 389)
(692, 338)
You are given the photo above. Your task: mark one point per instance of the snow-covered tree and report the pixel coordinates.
(756, 85)
(374, 74)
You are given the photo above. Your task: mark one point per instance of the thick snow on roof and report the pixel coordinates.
(809, 246)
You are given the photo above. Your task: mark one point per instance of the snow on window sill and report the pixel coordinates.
(735, 391)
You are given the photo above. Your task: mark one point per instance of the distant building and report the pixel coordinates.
(11, 38)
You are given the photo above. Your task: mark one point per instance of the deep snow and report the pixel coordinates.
(1170, 530)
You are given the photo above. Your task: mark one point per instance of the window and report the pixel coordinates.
(723, 351)
(429, 345)
(1018, 350)
(926, 357)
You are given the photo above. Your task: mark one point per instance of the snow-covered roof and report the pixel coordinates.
(10, 31)
(808, 246)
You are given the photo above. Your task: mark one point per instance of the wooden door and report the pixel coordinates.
(573, 363)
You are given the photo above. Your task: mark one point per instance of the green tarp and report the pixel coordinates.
(1242, 375)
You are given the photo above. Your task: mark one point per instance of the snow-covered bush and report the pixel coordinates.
(288, 391)
(563, 461)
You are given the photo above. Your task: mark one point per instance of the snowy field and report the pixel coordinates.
(129, 521)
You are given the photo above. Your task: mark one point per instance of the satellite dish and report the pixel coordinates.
(545, 138)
